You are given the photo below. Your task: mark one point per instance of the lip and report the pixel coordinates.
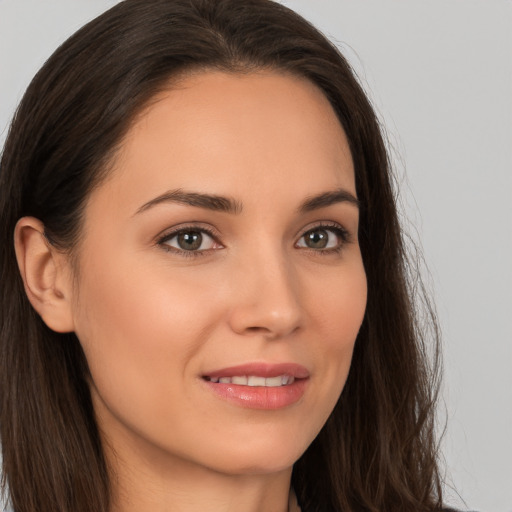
(266, 398)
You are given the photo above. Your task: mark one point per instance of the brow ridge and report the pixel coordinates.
(200, 200)
(326, 199)
(229, 205)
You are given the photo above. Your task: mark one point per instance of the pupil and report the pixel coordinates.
(190, 241)
(317, 239)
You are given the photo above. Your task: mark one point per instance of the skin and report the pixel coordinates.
(153, 319)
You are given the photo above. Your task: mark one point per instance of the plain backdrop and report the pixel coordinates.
(439, 73)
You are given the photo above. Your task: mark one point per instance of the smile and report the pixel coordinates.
(254, 381)
(259, 385)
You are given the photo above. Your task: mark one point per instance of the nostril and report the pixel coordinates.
(258, 329)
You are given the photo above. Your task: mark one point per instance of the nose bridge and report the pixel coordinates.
(268, 298)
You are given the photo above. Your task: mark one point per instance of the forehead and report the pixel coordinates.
(221, 133)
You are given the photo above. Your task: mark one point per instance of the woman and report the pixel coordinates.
(206, 304)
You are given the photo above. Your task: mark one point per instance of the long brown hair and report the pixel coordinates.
(377, 451)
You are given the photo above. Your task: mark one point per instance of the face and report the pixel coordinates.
(220, 286)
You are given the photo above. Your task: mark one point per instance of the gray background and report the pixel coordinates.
(440, 75)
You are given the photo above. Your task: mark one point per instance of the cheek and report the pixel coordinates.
(337, 310)
(139, 334)
(138, 307)
(338, 306)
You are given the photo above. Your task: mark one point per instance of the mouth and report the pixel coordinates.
(254, 380)
(259, 386)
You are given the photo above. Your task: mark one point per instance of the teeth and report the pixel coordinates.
(255, 381)
(274, 381)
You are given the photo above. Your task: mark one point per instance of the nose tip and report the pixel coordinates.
(274, 324)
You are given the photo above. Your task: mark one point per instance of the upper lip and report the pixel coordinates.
(262, 370)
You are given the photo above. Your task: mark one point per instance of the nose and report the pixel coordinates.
(266, 298)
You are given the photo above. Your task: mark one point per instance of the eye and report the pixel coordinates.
(189, 240)
(324, 238)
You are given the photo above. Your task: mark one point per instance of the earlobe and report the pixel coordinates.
(45, 273)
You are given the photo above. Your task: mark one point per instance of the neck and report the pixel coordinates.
(143, 483)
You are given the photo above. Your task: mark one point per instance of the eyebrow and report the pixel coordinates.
(230, 205)
(207, 201)
(326, 199)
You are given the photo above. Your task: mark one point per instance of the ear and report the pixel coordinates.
(46, 275)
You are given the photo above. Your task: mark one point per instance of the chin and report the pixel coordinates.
(261, 457)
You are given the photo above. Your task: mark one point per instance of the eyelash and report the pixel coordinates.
(341, 233)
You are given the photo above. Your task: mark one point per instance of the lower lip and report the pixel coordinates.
(260, 397)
